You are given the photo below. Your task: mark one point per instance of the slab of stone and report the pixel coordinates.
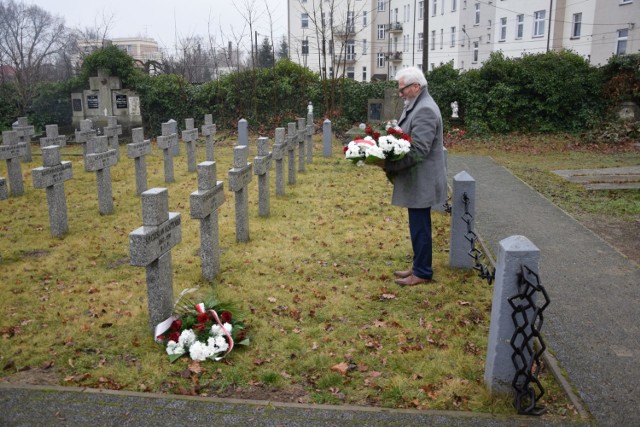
(604, 178)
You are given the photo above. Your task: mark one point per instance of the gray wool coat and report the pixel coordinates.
(420, 177)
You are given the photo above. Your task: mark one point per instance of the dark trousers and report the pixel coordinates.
(420, 231)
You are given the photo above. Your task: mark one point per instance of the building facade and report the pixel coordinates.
(142, 50)
(371, 39)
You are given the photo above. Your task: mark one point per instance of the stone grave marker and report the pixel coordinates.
(85, 133)
(279, 148)
(243, 133)
(301, 144)
(292, 142)
(111, 131)
(309, 136)
(239, 179)
(11, 150)
(189, 136)
(261, 166)
(24, 132)
(204, 206)
(137, 150)
(150, 247)
(4, 194)
(53, 137)
(52, 177)
(166, 142)
(99, 159)
(209, 132)
(173, 127)
(326, 138)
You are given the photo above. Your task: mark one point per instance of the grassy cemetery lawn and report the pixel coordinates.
(314, 284)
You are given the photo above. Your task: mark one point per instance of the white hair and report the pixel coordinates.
(411, 75)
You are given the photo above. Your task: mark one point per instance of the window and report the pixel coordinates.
(420, 41)
(503, 29)
(576, 26)
(626, 1)
(351, 25)
(464, 31)
(380, 5)
(433, 39)
(380, 31)
(475, 52)
(407, 13)
(519, 26)
(364, 46)
(420, 10)
(453, 36)
(364, 74)
(454, 5)
(364, 18)
(324, 19)
(621, 49)
(380, 60)
(442, 8)
(441, 38)
(351, 73)
(477, 14)
(351, 50)
(434, 8)
(305, 47)
(305, 20)
(538, 23)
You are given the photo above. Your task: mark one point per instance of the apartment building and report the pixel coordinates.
(140, 49)
(371, 39)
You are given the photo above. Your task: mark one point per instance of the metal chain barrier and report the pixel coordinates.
(486, 272)
(525, 359)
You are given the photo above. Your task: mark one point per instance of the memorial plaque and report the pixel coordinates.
(121, 101)
(92, 102)
(77, 104)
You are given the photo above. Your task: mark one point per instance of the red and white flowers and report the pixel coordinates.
(374, 147)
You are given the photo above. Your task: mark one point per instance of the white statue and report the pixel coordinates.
(310, 108)
(454, 110)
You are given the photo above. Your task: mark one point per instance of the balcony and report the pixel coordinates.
(348, 58)
(394, 27)
(344, 31)
(394, 56)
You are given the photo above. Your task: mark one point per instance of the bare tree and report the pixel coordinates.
(30, 39)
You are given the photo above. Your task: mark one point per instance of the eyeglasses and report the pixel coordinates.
(401, 90)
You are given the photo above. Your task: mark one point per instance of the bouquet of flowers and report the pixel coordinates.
(375, 146)
(203, 331)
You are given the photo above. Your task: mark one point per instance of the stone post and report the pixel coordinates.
(189, 136)
(138, 150)
(261, 166)
(111, 131)
(292, 142)
(150, 247)
(53, 138)
(85, 133)
(24, 133)
(459, 257)
(209, 131)
(327, 138)
(243, 133)
(301, 144)
(513, 252)
(99, 160)
(167, 143)
(11, 150)
(52, 177)
(239, 179)
(279, 147)
(204, 206)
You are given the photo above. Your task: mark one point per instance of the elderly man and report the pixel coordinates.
(419, 179)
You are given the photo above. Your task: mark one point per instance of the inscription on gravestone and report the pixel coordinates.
(52, 177)
(11, 150)
(150, 247)
(239, 178)
(53, 138)
(204, 206)
(92, 102)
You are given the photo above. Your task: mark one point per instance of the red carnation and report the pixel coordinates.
(226, 316)
(203, 317)
(391, 131)
(376, 135)
(344, 149)
(368, 130)
(176, 325)
(406, 137)
(174, 336)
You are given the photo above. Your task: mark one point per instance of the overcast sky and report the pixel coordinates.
(166, 20)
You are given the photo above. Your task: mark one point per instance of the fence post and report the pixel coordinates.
(326, 138)
(463, 183)
(513, 253)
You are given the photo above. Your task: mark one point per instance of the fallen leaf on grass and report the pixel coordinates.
(195, 367)
(342, 368)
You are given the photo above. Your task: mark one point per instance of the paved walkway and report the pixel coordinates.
(591, 326)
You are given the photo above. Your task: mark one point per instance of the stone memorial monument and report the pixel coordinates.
(279, 148)
(138, 151)
(261, 166)
(11, 150)
(167, 143)
(209, 132)
(189, 136)
(24, 132)
(53, 137)
(239, 179)
(99, 159)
